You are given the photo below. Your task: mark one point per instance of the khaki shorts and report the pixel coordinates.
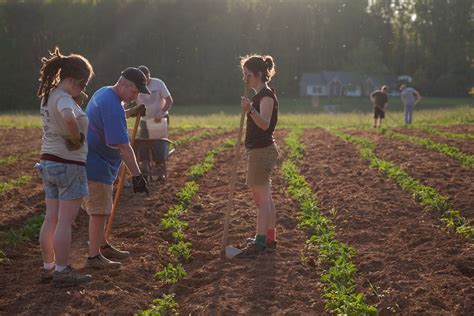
(260, 165)
(99, 201)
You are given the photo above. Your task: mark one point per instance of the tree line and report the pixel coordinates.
(194, 45)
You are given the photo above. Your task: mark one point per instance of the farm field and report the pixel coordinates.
(412, 251)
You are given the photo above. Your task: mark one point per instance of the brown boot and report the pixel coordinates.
(110, 251)
(101, 262)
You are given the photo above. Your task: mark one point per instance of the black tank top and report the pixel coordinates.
(255, 137)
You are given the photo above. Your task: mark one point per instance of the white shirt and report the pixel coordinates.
(155, 101)
(54, 128)
(409, 96)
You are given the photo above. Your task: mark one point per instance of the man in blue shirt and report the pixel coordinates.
(109, 144)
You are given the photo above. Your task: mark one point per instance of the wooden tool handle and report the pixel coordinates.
(121, 177)
(230, 201)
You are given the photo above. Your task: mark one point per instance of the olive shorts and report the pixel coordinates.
(260, 163)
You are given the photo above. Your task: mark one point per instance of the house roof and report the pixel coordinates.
(378, 80)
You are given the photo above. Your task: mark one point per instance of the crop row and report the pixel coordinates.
(426, 195)
(448, 134)
(339, 277)
(449, 151)
(180, 249)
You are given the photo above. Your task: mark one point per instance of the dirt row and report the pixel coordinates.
(465, 145)
(274, 283)
(406, 262)
(459, 129)
(136, 228)
(448, 176)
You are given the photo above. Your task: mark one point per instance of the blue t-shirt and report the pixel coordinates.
(107, 127)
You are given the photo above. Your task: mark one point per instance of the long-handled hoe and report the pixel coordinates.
(388, 114)
(122, 175)
(230, 251)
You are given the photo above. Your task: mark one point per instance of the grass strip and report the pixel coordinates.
(13, 237)
(339, 277)
(448, 134)
(180, 249)
(449, 151)
(5, 186)
(423, 194)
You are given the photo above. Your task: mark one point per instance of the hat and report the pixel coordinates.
(144, 69)
(137, 77)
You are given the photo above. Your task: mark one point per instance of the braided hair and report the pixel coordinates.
(58, 67)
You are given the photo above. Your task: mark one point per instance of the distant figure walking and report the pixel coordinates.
(380, 100)
(410, 98)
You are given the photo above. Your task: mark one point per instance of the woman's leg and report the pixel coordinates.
(48, 228)
(262, 198)
(62, 238)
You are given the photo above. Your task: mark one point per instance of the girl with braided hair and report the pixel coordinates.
(262, 152)
(63, 79)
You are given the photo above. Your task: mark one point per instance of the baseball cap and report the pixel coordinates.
(137, 77)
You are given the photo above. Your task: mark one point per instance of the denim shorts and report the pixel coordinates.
(63, 181)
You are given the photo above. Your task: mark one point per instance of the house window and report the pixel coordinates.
(314, 90)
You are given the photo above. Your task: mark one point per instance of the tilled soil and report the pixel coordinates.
(405, 261)
(273, 283)
(459, 129)
(465, 145)
(136, 228)
(19, 141)
(448, 176)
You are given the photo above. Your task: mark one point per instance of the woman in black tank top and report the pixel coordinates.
(262, 153)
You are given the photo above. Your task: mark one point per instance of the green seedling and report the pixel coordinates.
(339, 278)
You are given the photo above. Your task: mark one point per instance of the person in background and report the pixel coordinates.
(380, 100)
(410, 98)
(157, 103)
